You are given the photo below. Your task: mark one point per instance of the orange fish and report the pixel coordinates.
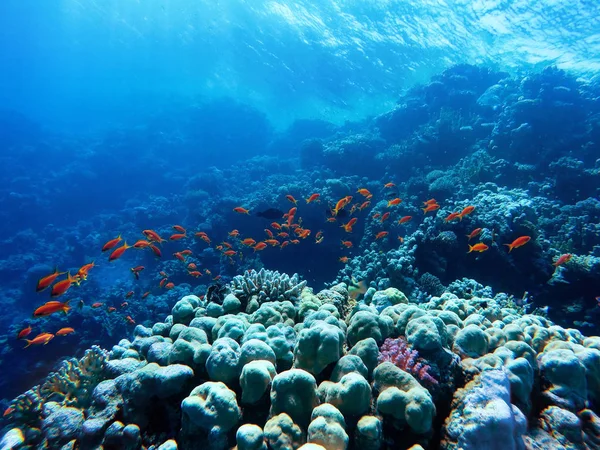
(162, 273)
(430, 207)
(452, 216)
(348, 226)
(401, 239)
(475, 232)
(376, 216)
(177, 236)
(234, 233)
(46, 281)
(186, 252)
(200, 234)
(156, 250)
(343, 259)
(347, 244)
(319, 234)
(249, 242)
(563, 259)
(24, 332)
(291, 212)
(179, 256)
(341, 204)
(205, 239)
(40, 339)
(229, 253)
(129, 294)
(145, 294)
(86, 268)
(465, 212)
(304, 234)
(169, 285)
(162, 282)
(364, 205)
(130, 320)
(381, 235)
(283, 234)
(312, 198)
(65, 331)
(295, 241)
(192, 266)
(269, 233)
(195, 273)
(518, 242)
(153, 236)
(118, 252)
(179, 228)
(331, 219)
(141, 244)
(240, 210)
(111, 309)
(479, 247)
(136, 271)
(431, 201)
(260, 246)
(365, 193)
(394, 202)
(291, 199)
(112, 243)
(405, 219)
(124, 305)
(389, 185)
(8, 411)
(97, 305)
(272, 242)
(227, 244)
(62, 286)
(51, 307)
(385, 217)
(276, 226)
(284, 244)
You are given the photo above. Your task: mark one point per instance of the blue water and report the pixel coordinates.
(121, 116)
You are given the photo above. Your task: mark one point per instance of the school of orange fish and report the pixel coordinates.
(281, 234)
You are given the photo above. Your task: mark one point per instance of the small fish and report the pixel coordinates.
(40, 339)
(430, 207)
(124, 305)
(153, 236)
(155, 250)
(177, 236)
(249, 242)
(116, 254)
(452, 216)
(179, 228)
(518, 242)
(348, 226)
(169, 285)
(465, 212)
(401, 239)
(229, 253)
(145, 294)
(295, 241)
(405, 219)
(284, 244)
(365, 193)
(8, 411)
(162, 273)
(84, 270)
(269, 233)
(240, 210)
(179, 256)
(234, 233)
(331, 219)
(111, 244)
(192, 266)
(65, 331)
(364, 205)
(474, 233)
(186, 252)
(376, 216)
(563, 259)
(45, 282)
(389, 185)
(62, 286)
(385, 217)
(130, 320)
(291, 199)
(260, 246)
(111, 309)
(141, 244)
(283, 234)
(381, 235)
(129, 294)
(195, 273)
(347, 244)
(272, 242)
(394, 202)
(97, 305)
(313, 198)
(276, 226)
(343, 259)
(227, 244)
(431, 201)
(136, 271)
(162, 282)
(479, 247)
(24, 332)
(341, 204)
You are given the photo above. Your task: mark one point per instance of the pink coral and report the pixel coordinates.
(402, 356)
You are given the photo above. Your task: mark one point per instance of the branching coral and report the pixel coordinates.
(267, 286)
(402, 356)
